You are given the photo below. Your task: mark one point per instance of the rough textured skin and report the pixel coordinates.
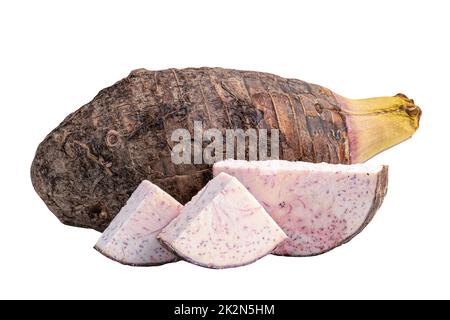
(319, 206)
(88, 166)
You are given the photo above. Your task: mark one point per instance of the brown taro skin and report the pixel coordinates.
(88, 166)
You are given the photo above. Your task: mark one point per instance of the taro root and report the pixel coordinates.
(88, 166)
(319, 206)
(131, 237)
(223, 226)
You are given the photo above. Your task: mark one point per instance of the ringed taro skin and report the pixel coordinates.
(319, 206)
(87, 167)
(222, 226)
(131, 237)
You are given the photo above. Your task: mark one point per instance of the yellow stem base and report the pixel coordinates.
(376, 124)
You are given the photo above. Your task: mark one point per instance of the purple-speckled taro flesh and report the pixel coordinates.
(319, 206)
(222, 226)
(131, 237)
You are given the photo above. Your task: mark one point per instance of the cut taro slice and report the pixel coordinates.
(320, 206)
(222, 226)
(131, 237)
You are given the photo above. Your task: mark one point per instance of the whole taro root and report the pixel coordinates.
(88, 166)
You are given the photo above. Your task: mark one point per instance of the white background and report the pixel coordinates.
(55, 56)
